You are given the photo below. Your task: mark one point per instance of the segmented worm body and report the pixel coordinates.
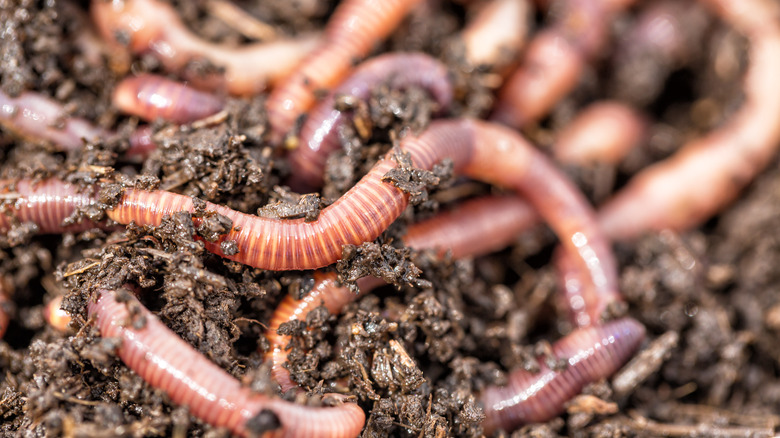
(709, 172)
(474, 228)
(353, 30)
(477, 149)
(497, 33)
(554, 60)
(320, 133)
(153, 97)
(592, 354)
(152, 26)
(39, 118)
(165, 361)
(603, 132)
(46, 204)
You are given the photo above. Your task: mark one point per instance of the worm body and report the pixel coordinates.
(166, 362)
(477, 149)
(497, 33)
(55, 316)
(46, 204)
(554, 60)
(476, 227)
(603, 132)
(39, 118)
(152, 26)
(709, 172)
(320, 133)
(353, 30)
(153, 97)
(592, 354)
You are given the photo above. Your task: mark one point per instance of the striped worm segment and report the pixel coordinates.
(591, 353)
(153, 97)
(165, 361)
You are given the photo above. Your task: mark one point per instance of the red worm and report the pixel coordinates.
(474, 228)
(554, 60)
(478, 149)
(353, 30)
(166, 362)
(152, 26)
(707, 173)
(592, 354)
(153, 97)
(497, 33)
(604, 132)
(320, 134)
(39, 118)
(46, 204)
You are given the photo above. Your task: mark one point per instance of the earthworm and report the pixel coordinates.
(709, 172)
(151, 97)
(39, 118)
(320, 133)
(55, 316)
(497, 33)
(603, 132)
(153, 26)
(46, 204)
(474, 228)
(166, 362)
(591, 354)
(353, 30)
(554, 60)
(478, 149)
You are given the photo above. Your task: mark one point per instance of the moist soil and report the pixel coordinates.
(708, 297)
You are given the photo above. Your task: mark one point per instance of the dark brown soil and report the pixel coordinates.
(415, 354)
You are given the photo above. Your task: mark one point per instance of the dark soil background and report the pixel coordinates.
(708, 297)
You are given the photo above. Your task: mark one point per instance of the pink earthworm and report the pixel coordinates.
(39, 118)
(497, 33)
(591, 354)
(46, 204)
(707, 173)
(153, 26)
(353, 30)
(603, 132)
(165, 361)
(319, 134)
(474, 228)
(477, 149)
(554, 60)
(153, 97)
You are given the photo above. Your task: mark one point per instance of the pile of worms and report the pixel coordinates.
(313, 87)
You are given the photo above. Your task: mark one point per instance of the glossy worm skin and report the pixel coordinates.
(165, 361)
(592, 354)
(603, 132)
(707, 173)
(476, 227)
(554, 60)
(481, 150)
(320, 133)
(46, 204)
(353, 30)
(153, 97)
(153, 26)
(55, 316)
(39, 118)
(497, 33)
